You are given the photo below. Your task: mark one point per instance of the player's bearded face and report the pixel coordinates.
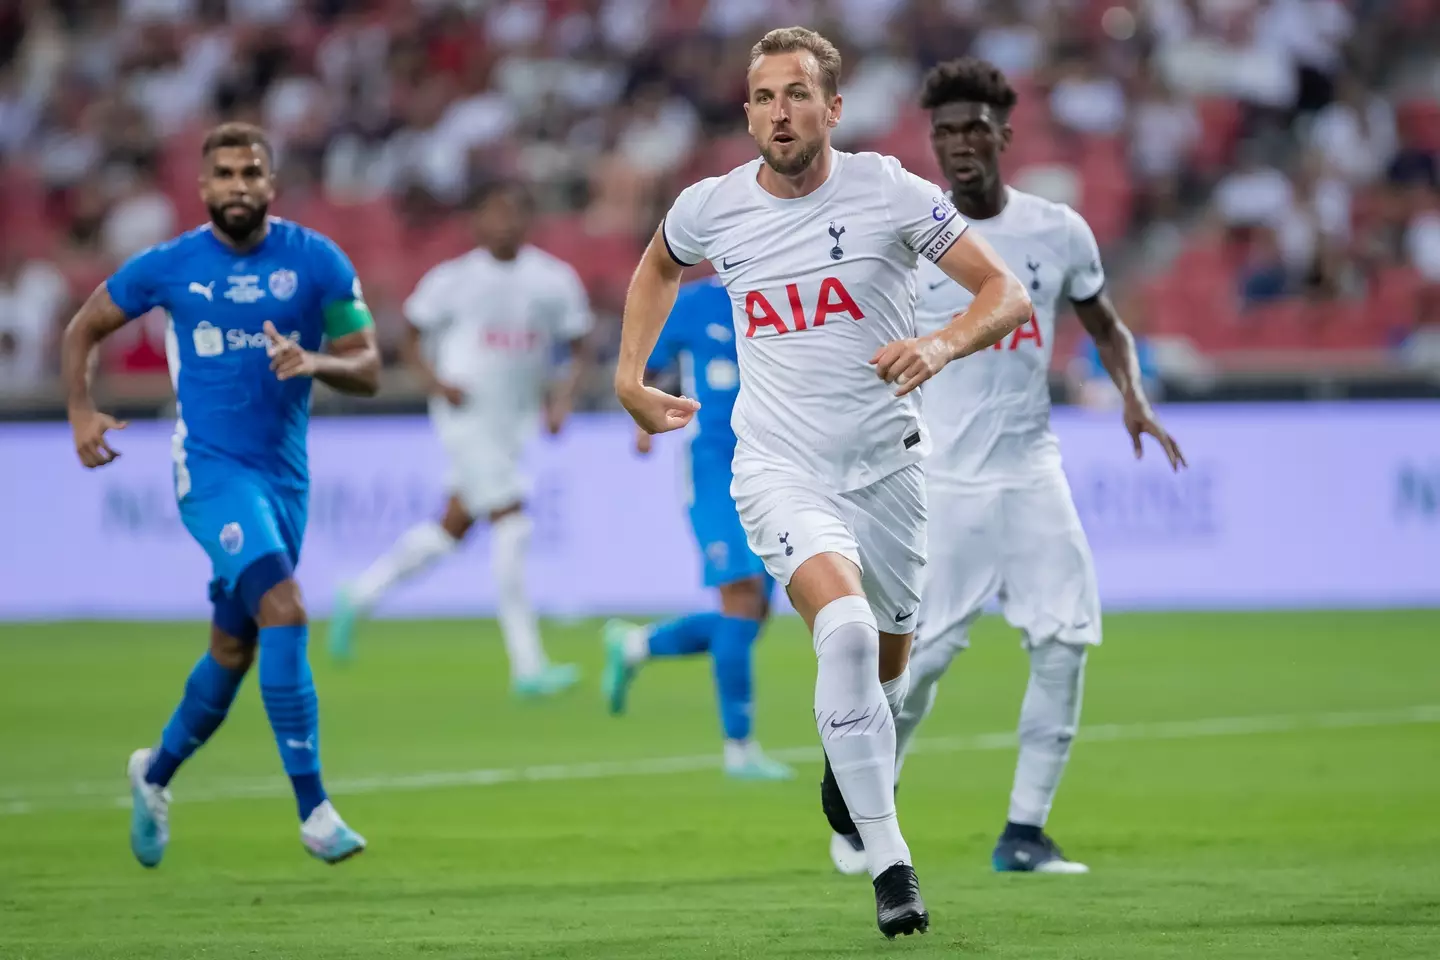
(237, 189)
(789, 113)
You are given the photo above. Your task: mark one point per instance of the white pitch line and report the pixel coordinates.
(100, 794)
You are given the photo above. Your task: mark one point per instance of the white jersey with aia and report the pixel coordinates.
(818, 284)
(989, 415)
(826, 456)
(490, 327)
(1003, 522)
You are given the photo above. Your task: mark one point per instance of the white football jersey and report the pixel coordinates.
(490, 326)
(989, 414)
(817, 284)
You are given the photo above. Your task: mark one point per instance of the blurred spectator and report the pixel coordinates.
(142, 217)
(18, 114)
(1264, 275)
(1356, 133)
(1422, 236)
(1314, 232)
(1011, 38)
(1164, 130)
(660, 133)
(1230, 61)
(883, 78)
(1310, 34)
(1255, 193)
(32, 296)
(1085, 100)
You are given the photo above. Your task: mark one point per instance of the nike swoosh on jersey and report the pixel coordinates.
(938, 284)
(727, 265)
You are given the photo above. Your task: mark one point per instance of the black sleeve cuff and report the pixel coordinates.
(669, 249)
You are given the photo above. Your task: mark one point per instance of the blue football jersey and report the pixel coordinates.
(700, 336)
(231, 406)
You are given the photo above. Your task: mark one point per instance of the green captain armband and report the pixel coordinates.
(345, 317)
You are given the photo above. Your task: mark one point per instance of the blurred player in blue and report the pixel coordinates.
(258, 308)
(700, 337)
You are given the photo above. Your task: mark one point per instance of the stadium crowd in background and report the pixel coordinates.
(1261, 174)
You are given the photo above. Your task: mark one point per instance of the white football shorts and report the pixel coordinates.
(1022, 544)
(880, 528)
(484, 471)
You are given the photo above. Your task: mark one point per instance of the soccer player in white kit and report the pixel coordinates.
(1002, 518)
(817, 250)
(482, 330)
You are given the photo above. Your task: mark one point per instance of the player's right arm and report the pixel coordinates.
(427, 310)
(97, 318)
(413, 352)
(652, 293)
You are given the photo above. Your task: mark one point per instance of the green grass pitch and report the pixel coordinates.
(1244, 786)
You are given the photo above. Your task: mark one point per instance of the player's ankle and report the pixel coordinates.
(1021, 831)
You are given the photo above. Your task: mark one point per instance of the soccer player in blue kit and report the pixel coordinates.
(258, 308)
(700, 337)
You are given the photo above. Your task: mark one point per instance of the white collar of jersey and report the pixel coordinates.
(837, 159)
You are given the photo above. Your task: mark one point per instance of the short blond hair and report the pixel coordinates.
(794, 39)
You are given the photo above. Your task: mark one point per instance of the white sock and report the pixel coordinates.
(509, 543)
(1048, 720)
(637, 646)
(856, 726)
(737, 752)
(416, 549)
(928, 664)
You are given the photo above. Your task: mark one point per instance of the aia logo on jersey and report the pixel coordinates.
(1029, 330)
(518, 341)
(766, 321)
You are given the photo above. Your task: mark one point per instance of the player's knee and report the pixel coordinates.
(1051, 712)
(823, 580)
(1058, 665)
(746, 599)
(845, 630)
(231, 652)
(282, 606)
(457, 520)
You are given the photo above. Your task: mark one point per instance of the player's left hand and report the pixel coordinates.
(557, 411)
(1139, 420)
(287, 358)
(909, 363)
(656, 411)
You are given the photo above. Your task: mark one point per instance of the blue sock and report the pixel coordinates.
(684, 636)
(288, 691)
(730, 652)
(209, 691)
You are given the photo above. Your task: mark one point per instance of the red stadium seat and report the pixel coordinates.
(1281, 325)
(1220, 123)
(1394, 302)
(1343, 325)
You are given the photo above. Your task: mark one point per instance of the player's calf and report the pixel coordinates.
(1049, 718)
(287, 687)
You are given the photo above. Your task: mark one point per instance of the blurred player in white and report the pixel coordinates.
(1002, 519)
(482, 334)
(817, 250)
